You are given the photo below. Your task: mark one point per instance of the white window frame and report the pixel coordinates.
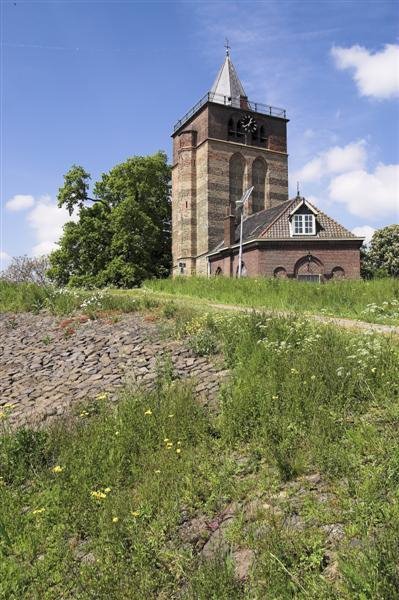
(303, 224)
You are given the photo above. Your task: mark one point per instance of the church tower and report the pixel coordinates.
(221, 147)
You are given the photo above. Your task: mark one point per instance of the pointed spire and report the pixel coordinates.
(227, 87)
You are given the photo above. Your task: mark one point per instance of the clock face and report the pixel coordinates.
(248, 123)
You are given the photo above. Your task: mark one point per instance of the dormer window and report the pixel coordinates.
(304, 224)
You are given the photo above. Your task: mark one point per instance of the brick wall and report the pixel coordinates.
(263, 261)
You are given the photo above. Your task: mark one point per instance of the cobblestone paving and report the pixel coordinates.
(48, 364)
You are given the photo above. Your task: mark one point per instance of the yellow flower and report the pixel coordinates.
(135, 513)
(2, 415)
(274, 397)
(102, 396)
(178, 450)
(107, 490)
(98, 495)
(166, 440)
(115, 519)
(157, 471)
(171, 416)
(148, 412)
(84, 413)
(294, 371)
(8, 405)
(38, 511)
(57, 469)
(169, 444)
(313, 377)
(179, 443)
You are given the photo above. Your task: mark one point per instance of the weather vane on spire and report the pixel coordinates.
(226, 45)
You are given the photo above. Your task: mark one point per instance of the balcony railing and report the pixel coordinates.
(236, 102)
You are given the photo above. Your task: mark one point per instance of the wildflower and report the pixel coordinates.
(294, 371)
(8, 405)
(373, 370)
(169, 445)
(313, 377)
(116, 432)
(157, 471)
(98, 495)
(179, 443)
(107, 490)
(103, 396)
(166, 440)
(178, 450)
(171, 416)
(148, 412)
(57, 469)
(275, 397)
(2, 415)
(135, 513)
(84, 414)
(38, 511)
(115, 519)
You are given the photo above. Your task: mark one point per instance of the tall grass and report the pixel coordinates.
(92, 508)
(374, 301)
(29, 297)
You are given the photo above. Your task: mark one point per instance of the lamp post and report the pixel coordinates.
(241, 204)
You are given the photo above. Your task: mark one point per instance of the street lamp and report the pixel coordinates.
(241, 204)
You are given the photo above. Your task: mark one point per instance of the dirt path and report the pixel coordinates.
(343, 322)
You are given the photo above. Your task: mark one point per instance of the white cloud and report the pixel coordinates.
(4, 258)
(369, 195)
(47, 221)
(376, 75)
(337, 159)
(364, 231)
(20, 202)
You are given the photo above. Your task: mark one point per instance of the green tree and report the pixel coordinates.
(123, 236)
(382, 256)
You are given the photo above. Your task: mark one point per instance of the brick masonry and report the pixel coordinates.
(202, 150)
(264, 259)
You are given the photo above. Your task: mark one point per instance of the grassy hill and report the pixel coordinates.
(289, 491)
(375, 301)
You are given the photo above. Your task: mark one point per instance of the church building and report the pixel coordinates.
(223, 146)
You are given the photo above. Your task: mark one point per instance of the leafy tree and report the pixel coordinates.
(382, 257)
(124, 235)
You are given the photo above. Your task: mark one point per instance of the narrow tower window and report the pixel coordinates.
(258, 181)
(236, 177)
(231, 131)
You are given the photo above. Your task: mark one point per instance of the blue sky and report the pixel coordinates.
(93, 83)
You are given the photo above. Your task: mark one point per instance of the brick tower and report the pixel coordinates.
(222, 146)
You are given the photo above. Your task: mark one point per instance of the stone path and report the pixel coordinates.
(48, 364)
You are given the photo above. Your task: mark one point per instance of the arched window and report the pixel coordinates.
(258, 181)
(280, 273)
(338, 273)
(244, 272)
(236, 177)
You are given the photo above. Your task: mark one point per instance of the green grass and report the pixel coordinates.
(376, 301)
(30, 297)
(302, 399)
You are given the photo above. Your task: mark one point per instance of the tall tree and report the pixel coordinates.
(123, 234)
(382, 256)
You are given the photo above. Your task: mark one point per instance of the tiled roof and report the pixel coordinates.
(273, 224)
